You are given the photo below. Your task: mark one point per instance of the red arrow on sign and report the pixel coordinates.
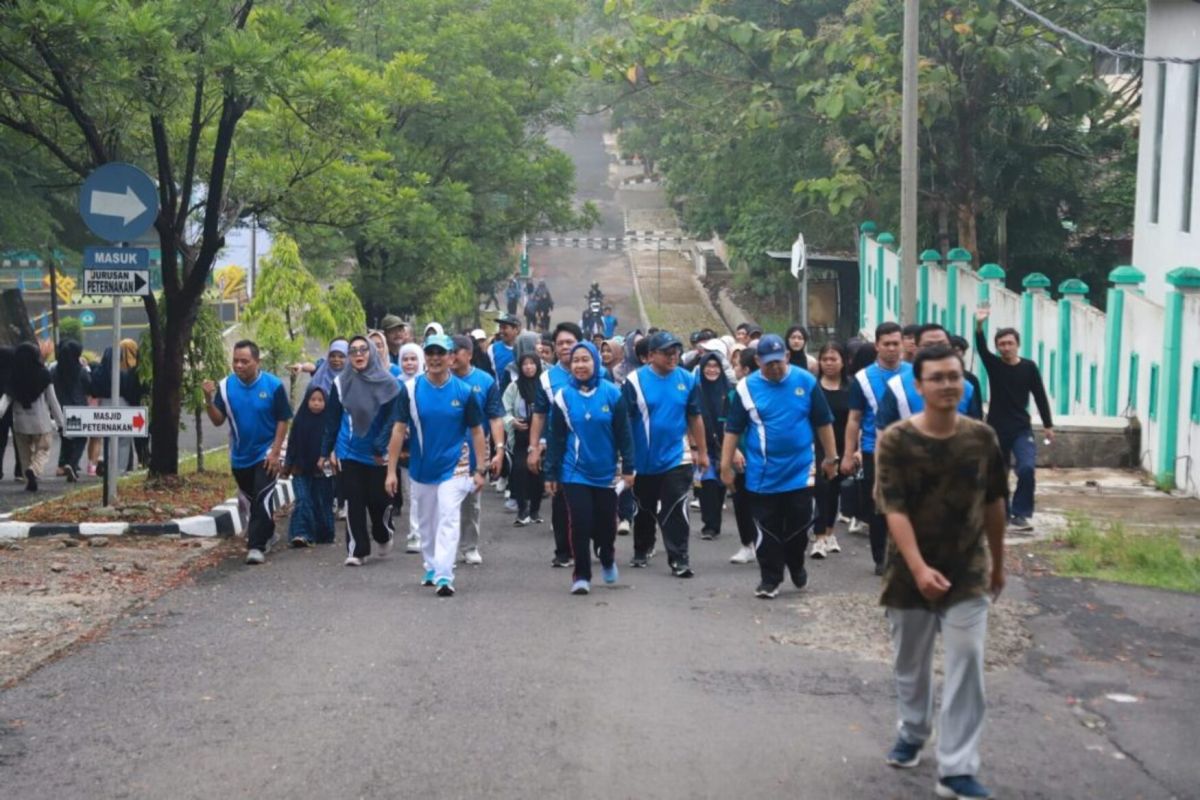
(138, 422)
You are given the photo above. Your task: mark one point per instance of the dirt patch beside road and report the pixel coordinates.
(58, 591)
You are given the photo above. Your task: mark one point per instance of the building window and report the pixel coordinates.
(1189, 148)
(1154, 391)
(1196, 393)
(1160, 102)
(1134, 362)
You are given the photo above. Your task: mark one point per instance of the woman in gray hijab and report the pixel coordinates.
(362, 402)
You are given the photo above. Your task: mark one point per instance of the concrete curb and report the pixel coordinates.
(222, 521)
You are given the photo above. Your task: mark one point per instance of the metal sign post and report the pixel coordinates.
(800, 270)
(118, 202)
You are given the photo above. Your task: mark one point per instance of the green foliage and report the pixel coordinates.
(1146, 559)
(770, 117)
(290, 308)
(70, 328)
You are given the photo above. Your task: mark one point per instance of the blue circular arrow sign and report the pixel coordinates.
(87, 318)
(118, 202)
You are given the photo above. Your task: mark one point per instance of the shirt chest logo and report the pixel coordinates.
(799, 391)
(263, 395)
(476, 389)
(455, 403)
(681, 387)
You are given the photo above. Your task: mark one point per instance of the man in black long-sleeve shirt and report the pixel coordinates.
(1012, 380)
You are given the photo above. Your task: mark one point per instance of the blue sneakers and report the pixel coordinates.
(428, 579)
(961, 787)
(905, 755)
(580, 587)
(610, 573)
(445, 587)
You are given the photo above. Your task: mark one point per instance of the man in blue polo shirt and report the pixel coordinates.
(901, 399)
(256, 405)
(664, 409)
(866, 393)
(566, 336)
(779, 408)
(491, 415)
(442, 414)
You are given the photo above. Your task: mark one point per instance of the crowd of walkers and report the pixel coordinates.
(625, 434)
(33, 394)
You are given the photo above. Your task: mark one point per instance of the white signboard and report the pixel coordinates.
(105, 421)
(116, 282)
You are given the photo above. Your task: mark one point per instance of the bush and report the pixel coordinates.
(70, 329)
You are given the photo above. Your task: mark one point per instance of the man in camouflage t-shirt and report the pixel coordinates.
(941, 484)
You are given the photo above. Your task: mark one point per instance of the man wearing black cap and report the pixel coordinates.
(397, 335)
(665, 411)
(501, 352)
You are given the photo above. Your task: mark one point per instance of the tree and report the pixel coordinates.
(771, 116)
(167, 84)
(290, 307)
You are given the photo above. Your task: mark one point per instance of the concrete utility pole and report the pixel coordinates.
(908, 167)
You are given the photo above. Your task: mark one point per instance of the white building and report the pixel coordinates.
(1167, 215)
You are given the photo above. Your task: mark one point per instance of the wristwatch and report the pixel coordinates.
(831, 460)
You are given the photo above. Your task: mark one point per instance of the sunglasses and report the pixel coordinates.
(360, 351)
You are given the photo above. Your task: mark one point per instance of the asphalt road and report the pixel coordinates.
(306, 679)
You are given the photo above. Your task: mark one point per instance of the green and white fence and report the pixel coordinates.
(1140, 359)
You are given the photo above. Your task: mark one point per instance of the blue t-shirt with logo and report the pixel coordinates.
(866, 393)
(487, 398)
(252, 411)
(901, 400)
(659, 408)
(588, 432)
(438, 419)
(610, 325)
(364, 446)
(502, 355)
(779, 419)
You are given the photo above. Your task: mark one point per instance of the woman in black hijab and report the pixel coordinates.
(30, 394)
(797, 343)
(524, 486)
(6, 359)
(714, 404)
(72, 383)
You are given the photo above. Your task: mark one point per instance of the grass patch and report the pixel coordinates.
(1156, 559)
(142, 500)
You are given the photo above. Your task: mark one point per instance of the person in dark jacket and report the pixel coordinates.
(72, 384)
(714, 399)
(6, 359)
(312, 483)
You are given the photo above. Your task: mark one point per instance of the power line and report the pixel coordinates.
(1111, 51)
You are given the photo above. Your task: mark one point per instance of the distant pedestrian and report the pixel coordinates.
(36, 412)
(782, 410)
(397, 333)
(412, 364)
(442, 416)
(491, 413)
(256, 405)
(942, 484)
(796, 339)
(130, 391)
(900, 397)
(714, 406)
(6, 362)
(501, 351)
(1012, 380)
(312, 478)
(588, 434)
(610, 322)
(72, 383)
(743, 498)
(519, 401)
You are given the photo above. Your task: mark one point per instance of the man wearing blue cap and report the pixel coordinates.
(779, 408)
(443, 414)
(664, 408)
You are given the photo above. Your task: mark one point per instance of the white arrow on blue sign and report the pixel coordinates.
(119, 202)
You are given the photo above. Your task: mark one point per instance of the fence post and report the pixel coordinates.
(1074, 292)
(1124, 279)
(957, 260)
(886, 241)
(929, 259)
(992, 275)
(1184, 280)
(864, 271)
(1035, 284)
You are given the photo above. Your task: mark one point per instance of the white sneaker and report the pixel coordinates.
(472, 556)
(385, 549)
(255, 557)
(694, 504)
(818, 549)
(351, 561)
(624, 527)
(510, 505)
(341, 512)
(501, 485)
(744, 555)
(413, 543)
(856, 526)
(831, 545)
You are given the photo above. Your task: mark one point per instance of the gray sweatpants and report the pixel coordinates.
(964, 630)
(469, 522)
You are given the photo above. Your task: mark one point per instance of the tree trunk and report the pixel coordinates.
(968, 237)
(1002, 237)
(199, 444)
